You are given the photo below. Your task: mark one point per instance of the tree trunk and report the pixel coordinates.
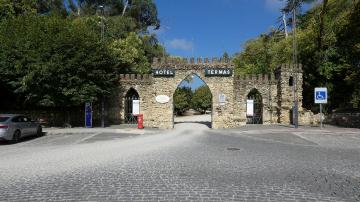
(125, 7)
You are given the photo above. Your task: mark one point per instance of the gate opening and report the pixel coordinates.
(192, 102)
(131, 97)
(254, 108)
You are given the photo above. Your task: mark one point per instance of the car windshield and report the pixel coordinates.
(3, 118)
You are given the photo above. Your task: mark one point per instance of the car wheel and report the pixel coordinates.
(16, 137)
(39, 132)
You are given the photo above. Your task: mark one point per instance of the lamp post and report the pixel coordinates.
(102, 40)
(295, 108)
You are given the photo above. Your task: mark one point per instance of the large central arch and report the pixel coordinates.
(218, 84)
(203, 118)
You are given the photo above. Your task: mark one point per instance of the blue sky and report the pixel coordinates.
(208, 28)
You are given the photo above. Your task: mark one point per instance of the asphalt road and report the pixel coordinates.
(189, 163)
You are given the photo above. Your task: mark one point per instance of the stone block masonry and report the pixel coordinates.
(276, 91)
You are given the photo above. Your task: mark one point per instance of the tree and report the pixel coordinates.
(64, 66)
(182, 99)
(332, 62)
(12, 8)
(292, 5)
(226, 56)
(152, 47)
(130, 55)
(56, 7)
(349, 48)
(256, 57)
(202, 99)
(143, 12)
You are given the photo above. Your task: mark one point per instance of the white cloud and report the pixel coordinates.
(274, 5)
(180, 44)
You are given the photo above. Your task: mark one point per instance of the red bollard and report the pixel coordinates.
(140, 118)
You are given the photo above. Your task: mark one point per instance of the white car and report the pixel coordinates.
(13, 127)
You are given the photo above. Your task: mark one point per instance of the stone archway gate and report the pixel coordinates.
(229, 92)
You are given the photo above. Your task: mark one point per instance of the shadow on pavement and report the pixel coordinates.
(109, 136)
(24, 139)
(206, 123)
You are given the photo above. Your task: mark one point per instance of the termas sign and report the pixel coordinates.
(218, 72)
(163, 72)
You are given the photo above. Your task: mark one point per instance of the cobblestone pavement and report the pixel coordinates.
(190, 163)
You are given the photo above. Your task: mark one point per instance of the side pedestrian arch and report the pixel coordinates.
(131, 96)
(254, 99)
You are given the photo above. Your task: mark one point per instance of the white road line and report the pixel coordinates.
(85, 138)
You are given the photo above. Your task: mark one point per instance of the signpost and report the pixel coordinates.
(320, 97)
(250, 108)
(88, 115)
(222, 99)
(221, 72)
(136, 107)
(163, 72)
(162, 99)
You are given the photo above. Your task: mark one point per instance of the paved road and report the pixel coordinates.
(190, 163)
(194, 118)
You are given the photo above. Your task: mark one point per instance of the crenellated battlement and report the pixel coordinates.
(272, 93)
(135, 77)
(256, 78)
(190, 61)
(290, 68)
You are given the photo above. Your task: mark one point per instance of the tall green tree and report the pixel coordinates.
(182, 99)
(202, 99)
(12, 8)
(329, 57)
(130, 55)
(291, 5)
(144, 12)
(256, 57)
(65, 66)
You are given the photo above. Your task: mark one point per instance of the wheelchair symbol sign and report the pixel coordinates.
(320, 95)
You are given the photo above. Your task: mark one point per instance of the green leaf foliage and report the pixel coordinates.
(130, 55)
(202, 99)
(182, 99)
(53, 55)
(327, 46)
(51, 61)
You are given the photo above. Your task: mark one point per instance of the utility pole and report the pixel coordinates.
(102, 40)
(295, 74)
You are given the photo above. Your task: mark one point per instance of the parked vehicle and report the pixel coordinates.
(13, 127)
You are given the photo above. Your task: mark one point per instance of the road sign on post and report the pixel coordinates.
(320, 97)
(88, 115)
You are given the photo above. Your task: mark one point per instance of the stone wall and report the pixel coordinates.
(344, 119)
(277, 95)
(266, 86)
(286, 91)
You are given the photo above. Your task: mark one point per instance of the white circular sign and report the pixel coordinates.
(162, 99)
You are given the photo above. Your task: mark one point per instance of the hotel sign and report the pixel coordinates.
(218, 72)
(163, 72)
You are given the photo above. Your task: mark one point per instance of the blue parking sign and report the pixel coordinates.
(320, 95)
(88, 115)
